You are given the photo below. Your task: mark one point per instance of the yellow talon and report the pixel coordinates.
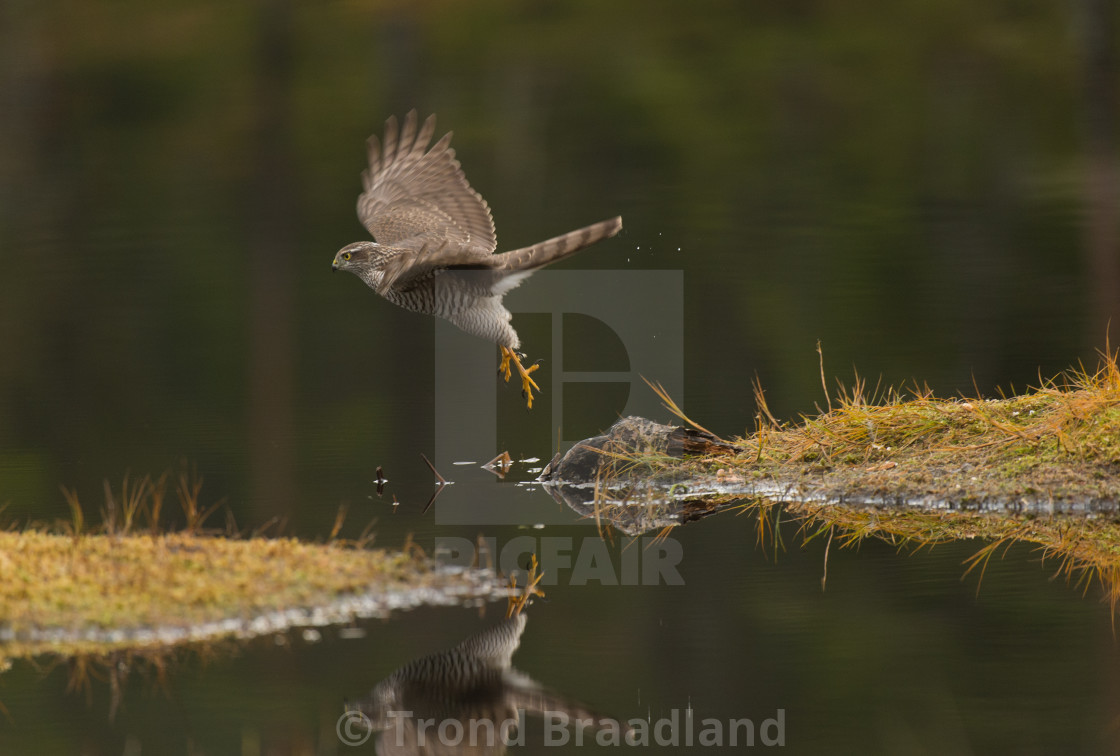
(527, 383)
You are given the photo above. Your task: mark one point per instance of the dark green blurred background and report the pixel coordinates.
(913, 184)
(928, 188)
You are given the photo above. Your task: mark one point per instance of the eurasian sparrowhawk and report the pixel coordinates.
(435, 242)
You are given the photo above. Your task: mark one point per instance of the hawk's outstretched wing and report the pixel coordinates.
(415, 198)
(484, 273)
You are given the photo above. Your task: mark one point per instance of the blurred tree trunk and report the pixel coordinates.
(272, 246)
(399, 60)
(1102, 180)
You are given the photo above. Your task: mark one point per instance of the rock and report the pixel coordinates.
(591, 458)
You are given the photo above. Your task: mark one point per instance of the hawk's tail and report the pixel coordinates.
(549, 251)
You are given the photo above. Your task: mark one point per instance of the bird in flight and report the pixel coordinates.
(434, 241)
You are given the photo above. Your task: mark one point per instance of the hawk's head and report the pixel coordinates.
(359, 256)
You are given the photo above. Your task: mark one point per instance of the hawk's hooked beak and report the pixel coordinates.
(334, 265)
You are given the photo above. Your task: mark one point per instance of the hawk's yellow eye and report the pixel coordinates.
(345, 255)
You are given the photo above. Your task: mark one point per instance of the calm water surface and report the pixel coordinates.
(917, 187)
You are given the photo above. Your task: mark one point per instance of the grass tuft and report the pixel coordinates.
(127, 579)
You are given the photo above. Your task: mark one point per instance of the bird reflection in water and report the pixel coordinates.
(466, 700)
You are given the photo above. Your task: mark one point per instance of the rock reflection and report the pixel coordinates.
(635, 509)
(466, 700)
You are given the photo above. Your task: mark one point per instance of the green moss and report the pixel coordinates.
(128, 583)
(1062, 438)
